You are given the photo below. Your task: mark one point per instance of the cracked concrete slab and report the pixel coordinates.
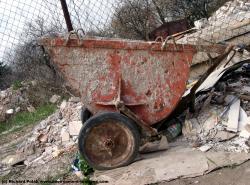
(176, 162)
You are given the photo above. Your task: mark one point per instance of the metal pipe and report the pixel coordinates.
(66, 15)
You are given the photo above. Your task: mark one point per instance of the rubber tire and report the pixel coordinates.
(85, 114)
(95, 120)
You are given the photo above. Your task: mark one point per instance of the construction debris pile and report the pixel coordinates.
(25, 96)
(15, 99)
(222, 117)
(53, 136)
(220, 121)
(230, 23)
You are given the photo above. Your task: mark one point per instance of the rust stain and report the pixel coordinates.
(148, 74)
(109, 144)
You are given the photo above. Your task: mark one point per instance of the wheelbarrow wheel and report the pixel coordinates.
(109, 140)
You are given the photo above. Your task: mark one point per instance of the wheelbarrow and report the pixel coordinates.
(126, 88)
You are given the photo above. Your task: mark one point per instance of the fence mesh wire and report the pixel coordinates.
(216, 21)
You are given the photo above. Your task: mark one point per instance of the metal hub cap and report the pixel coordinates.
(109, 143)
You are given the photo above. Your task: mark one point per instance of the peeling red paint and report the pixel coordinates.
(150, 76)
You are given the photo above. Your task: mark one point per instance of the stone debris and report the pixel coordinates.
(27, 96)
(74, 127)
(53, 136)
(10, 111)
(221, 121)
(177, 162)
(17, 109)
(205, 148)
(65, 135)
(10, 99)
(63, 104)
(9, 160)
(222, 135)
(74, 99)
(30, 108)
(55, 98)
(230, 23)
(201, 23)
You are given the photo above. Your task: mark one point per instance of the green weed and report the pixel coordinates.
(22, 119)
(17, 85)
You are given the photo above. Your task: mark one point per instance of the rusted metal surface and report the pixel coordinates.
(122, 107)
(149, 131)
(153, 80)
(169, 28)
(109, 144)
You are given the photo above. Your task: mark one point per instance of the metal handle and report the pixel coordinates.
(164, 44)
(159, 38)
(76, 33)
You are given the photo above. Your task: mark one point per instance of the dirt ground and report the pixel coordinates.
(60, 168)
(54, 169)
(239, 175)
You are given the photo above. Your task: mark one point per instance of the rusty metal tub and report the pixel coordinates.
(127, 85)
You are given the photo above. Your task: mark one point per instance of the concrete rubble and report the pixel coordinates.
(230, 23)
(177, 162)
(222, 118)
(25, 97)
(10, 100)
(55, 98)
(53, 136)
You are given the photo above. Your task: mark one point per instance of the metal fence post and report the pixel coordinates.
(66, 15)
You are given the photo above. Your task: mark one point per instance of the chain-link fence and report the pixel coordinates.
(213, 20)
(15, 15)
(21, 19)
